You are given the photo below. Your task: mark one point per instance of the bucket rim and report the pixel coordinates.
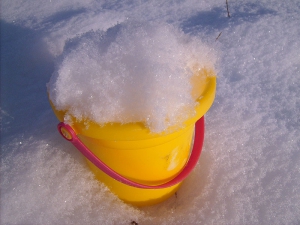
(137, 130)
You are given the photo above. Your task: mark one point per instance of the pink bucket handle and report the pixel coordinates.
(69, 134)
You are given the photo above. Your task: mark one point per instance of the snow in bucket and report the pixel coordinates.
(133, 72)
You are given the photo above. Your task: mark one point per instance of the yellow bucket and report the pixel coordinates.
(140, 167)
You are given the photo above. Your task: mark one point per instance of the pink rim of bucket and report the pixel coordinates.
(195, 154)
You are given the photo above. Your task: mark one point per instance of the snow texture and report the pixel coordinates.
(249, 170)
(134, 72)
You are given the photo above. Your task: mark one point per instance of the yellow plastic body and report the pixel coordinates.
(136, 153)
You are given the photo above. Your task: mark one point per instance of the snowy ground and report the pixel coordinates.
(249, 172)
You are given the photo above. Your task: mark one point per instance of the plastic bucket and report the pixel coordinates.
(140, 167)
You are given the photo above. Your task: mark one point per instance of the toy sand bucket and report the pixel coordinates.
(138, 166)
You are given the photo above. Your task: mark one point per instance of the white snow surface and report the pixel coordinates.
(249, 170)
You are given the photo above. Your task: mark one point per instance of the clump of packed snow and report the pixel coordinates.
(133, 72)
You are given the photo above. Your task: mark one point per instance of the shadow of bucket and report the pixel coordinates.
(140, 167)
